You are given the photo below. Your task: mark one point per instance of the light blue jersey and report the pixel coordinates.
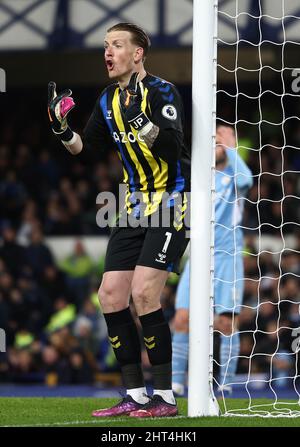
(232, 185)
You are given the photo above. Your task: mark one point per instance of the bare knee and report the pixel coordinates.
(146, 289)
(181, 321)
(111, 296)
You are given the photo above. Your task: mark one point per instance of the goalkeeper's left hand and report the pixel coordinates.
(131, 101)
(58, 108)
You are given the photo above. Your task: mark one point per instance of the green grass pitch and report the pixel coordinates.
(76, 412)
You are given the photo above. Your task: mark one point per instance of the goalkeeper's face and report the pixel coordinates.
(121, 55)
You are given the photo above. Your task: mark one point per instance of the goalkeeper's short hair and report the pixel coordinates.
(139, 36)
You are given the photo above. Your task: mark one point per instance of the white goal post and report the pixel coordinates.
(259, 100)
(200, 397)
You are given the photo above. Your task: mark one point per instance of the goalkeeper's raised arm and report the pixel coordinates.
(59, 105)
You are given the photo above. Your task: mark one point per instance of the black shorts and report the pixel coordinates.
(157, 247)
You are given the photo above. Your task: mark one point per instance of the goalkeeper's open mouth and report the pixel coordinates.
(109, 65)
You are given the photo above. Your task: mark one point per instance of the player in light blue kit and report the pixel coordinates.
(233, 180)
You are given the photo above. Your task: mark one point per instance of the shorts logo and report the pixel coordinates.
(169, 112)
(162, 258)
(115, 342)
(148, 342)
(108, 115)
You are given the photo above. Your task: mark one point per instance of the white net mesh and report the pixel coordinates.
(257, 94)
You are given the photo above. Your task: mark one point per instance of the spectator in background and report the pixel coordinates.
(4, 311)
(54, 216)
(24, 164)
(4, 165)
(38, 254)
(78, 267)
(71, 206)
(29, 221)
(64, 315)
(294, 315)
(4, 306)
(53, 283)
(87, 339)
(12, 253)
(37, 307)
(272, 353)
(79, 369)
(92, 312)
(48, 170)
(246, 346)
(247, 319)
(290, 288)
(22, 366)
(290, 261)
(54, 366)
(13, 195)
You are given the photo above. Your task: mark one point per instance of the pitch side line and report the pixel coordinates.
(104, 421)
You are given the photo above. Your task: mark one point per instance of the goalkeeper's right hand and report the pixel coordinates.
(58, 108)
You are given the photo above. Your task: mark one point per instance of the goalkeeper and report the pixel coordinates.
(141, 116)
(233, 179)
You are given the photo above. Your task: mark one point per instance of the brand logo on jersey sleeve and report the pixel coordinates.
(169, 112)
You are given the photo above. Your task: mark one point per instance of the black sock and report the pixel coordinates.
(158, 342)
(124, 339)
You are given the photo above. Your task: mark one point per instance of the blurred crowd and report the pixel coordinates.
(55, 330)
(50, 312)
(59, 194)
(269, 322)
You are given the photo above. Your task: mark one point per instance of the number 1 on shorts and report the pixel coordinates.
(166, 244)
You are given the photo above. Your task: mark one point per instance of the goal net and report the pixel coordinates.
(258, 95)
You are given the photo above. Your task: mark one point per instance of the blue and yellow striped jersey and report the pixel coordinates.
(150, 172)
